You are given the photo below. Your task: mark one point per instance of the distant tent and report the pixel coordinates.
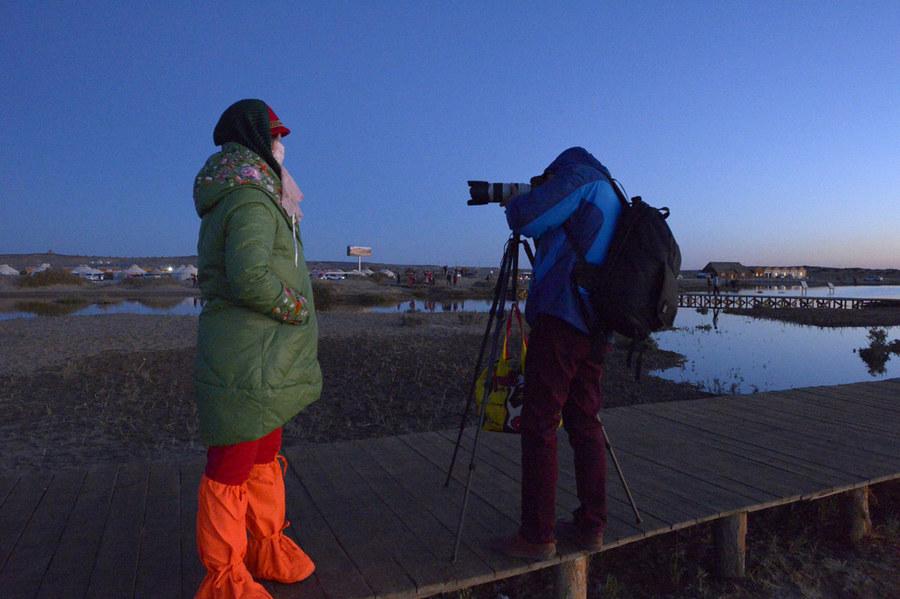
(368, 272)
(388, 273)
(86, 272)
(41, 268)
(185, 272)
(355, 273)
(8, 271)
(133, 271)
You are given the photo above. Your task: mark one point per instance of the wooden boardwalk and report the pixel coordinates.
(735, 301)
(378, 522)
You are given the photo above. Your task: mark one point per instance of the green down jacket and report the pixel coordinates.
(257, 363)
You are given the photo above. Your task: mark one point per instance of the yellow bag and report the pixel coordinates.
(504, 404)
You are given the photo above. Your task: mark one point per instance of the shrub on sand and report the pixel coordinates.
(52, 276)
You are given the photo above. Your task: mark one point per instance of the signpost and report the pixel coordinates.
(359, 251)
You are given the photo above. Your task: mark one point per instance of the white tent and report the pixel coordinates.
(368, 272)
(355, 273)
(8, 271)
(388, 273)
(87, 272)
(132, 271)
(185, 272)
(41, 268)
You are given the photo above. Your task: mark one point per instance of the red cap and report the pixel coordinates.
(276, 126)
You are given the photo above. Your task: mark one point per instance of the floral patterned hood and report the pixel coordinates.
(234, 166)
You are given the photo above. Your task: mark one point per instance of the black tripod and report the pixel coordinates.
(506, 286)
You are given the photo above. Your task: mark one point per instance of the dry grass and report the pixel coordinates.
(139, 405)
(52, 276)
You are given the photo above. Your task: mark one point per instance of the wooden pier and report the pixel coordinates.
(747, 302)
(377, 520)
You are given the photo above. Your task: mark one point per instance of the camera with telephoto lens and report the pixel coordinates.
(482, 192)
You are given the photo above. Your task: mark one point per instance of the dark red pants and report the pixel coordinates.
(562, 378)
(231, 464)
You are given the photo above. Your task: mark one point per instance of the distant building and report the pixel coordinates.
(780, 272)
(727, 270)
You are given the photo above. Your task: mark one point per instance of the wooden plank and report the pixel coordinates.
(69, 572)
(694, 453)
(469, 569)
(656, 513)
(830, 409)
(344, 509)
(371, 521)
(885, 393)
(159, 567)
(821, 421)
(335, 574)
(116, 564)
(661, 436)
(500, 483)
(821, 428)
(17, 510)
(844, 458)
(24, 570)
(421, 479)
(192, 570)
(856, 402)
(687, 447)
(7, 484)
(777, 438)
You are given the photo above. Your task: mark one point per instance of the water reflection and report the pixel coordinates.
(469, 305)
(879, 351)
(728, 353)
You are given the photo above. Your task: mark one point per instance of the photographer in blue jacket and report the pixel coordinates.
(571, 213)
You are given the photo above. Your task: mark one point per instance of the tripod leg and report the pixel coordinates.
(495, 347)
(496, 311)
(615, 460)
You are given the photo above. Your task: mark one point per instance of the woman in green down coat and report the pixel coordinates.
(256, 352)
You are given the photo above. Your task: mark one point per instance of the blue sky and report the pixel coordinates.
(771, 129)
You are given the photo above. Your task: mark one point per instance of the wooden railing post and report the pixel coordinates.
(860, 520)
(571, 579)
(731, 545)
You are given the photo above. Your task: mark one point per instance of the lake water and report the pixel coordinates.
(739, 354)
(175, 306)
(728, 354)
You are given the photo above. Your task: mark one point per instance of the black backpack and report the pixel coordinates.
(634, 292)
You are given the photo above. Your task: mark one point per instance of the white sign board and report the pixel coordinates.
(358, 250)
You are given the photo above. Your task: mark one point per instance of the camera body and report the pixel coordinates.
(483, 192)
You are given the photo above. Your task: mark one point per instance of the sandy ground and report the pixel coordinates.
(78, 390)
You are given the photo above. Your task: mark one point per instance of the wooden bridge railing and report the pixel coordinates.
(747, 302)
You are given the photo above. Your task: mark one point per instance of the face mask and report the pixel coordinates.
(278, 150)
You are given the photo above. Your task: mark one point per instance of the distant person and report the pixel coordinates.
(715, 284)
(257, 364)
(571, 205)
(449, 278)
(708, 284)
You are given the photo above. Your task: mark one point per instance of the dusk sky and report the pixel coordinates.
(770, 129)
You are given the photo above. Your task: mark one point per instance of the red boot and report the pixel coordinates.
(222, 543)
(271, 555)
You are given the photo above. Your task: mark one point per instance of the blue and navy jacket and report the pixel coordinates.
(570, 216)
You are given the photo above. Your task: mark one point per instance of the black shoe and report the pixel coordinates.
(586, 540)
